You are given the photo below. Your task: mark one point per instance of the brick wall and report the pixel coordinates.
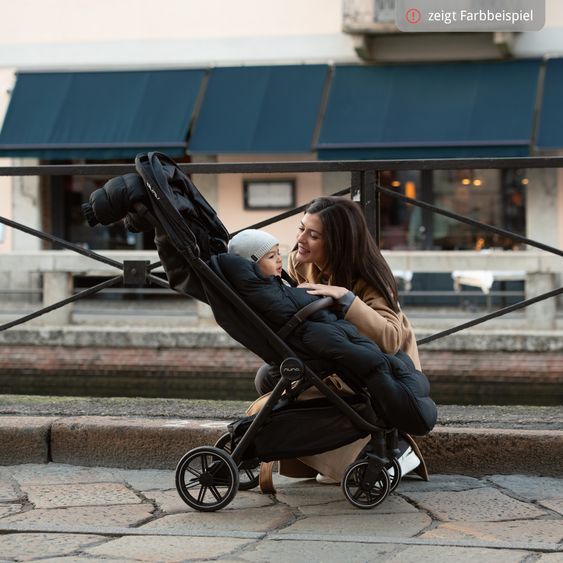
(459, 377)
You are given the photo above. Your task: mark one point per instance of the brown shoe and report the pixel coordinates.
(421, 470)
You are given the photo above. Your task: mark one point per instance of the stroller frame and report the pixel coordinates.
(215, 471)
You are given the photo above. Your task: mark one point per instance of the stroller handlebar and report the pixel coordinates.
(303, 314)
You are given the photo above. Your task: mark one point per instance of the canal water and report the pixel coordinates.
(241, 388)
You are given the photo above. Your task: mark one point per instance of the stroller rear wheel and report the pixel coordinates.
(248, 470)
(207, 478)
(357, 493)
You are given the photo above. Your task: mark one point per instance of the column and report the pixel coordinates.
(544, 194)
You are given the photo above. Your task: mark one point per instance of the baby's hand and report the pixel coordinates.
(328, 290)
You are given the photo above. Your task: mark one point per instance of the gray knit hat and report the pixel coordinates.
(252, 244)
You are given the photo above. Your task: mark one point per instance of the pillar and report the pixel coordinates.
(544, 199)
(56, 287)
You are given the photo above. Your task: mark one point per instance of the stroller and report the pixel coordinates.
(192, 243)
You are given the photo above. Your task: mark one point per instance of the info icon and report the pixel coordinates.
(412, 15)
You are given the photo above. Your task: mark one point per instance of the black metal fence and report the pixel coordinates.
(365, 186)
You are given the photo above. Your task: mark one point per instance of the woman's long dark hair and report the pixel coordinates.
(351, 250)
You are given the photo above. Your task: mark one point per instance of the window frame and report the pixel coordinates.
(293, 193)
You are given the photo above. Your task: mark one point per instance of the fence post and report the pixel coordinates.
(56, 287)
(363, 184)
(427, 219)
(540, 316)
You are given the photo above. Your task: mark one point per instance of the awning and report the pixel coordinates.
(100, 115)
(550, 129)
(259, 110)
(430, 110)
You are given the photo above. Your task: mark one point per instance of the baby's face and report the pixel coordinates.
(271, 263)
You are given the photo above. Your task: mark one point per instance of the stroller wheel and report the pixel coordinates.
(248, 469)
(207, 478)
(357, 494)
(395, 474)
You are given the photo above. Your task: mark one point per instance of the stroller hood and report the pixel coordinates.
(178, 204)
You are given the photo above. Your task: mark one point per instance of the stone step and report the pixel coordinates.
(140, 442)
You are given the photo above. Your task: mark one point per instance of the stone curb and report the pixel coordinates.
(485, 451)
(213, 337)
(25, 439)
(142, 443)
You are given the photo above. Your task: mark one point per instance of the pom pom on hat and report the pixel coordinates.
(252, 244)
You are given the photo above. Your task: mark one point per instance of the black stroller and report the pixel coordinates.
(191, 240)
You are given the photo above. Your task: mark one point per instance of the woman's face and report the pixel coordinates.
(310, 242)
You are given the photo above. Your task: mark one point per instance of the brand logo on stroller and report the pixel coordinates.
(292, 369)
(152, 191)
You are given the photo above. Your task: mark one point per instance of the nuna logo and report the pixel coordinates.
(292, 368)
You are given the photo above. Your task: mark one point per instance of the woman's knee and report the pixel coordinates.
(266, 379)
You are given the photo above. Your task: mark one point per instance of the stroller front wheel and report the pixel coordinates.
(248, 469)
(356, 491)
(207, 478)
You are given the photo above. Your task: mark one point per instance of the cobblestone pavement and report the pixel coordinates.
(56, 512)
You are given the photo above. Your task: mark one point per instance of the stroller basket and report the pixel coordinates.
(302, 428)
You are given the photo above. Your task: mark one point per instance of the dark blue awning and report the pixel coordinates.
(259, 110)
(430, 110)
(100, 115)
(550, 129)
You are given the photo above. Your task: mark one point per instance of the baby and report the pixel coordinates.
(260, 247)
(325, 335)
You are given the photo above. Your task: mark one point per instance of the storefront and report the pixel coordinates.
(495, 197)
(348, 112)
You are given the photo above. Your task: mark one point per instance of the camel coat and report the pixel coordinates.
(390, 330)
(369, 312)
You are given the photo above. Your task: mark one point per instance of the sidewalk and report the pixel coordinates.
(55, 512)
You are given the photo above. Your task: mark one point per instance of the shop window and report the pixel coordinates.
(269, 194)
(64, 196)
(494, 197)
(110, 237)
(396, 216)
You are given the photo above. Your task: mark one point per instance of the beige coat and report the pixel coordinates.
(369, 312)
(391, 331)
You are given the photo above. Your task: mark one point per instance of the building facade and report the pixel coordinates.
(261, 80)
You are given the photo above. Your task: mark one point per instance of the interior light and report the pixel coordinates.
(524, 181)
(395, 183)
(466, 181)
(410, 189)
(477, 183)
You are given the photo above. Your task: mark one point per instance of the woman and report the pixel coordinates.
(336, 256)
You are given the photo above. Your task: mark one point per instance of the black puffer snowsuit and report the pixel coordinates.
(324, 336)
(399, 391)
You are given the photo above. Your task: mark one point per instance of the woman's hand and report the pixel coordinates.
(328, 290)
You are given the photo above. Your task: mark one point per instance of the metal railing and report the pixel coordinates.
(364, 185)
